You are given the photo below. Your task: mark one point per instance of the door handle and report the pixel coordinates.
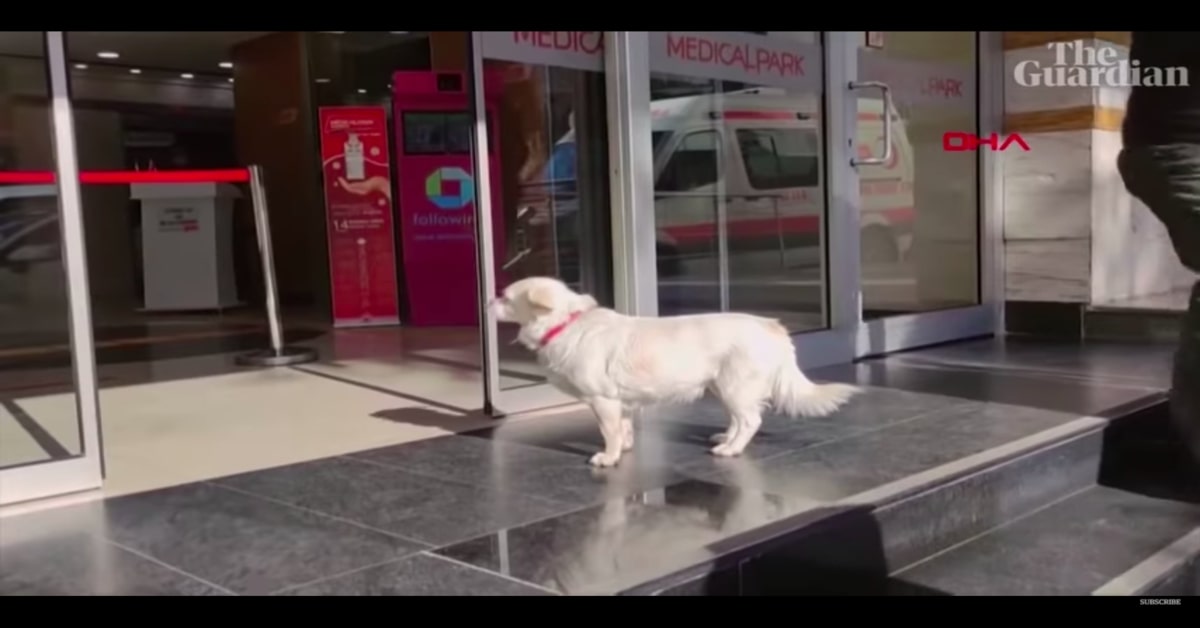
(887, 124)
(522, 254)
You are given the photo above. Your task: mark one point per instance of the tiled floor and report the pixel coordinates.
(1068, 377)
(513, 508)
(181, 411)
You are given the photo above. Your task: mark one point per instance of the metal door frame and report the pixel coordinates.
(86, 471)
(910, 331)
(633, 179)
(631, 176)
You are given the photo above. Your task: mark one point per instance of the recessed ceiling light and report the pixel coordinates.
(80, 66)
(398, 32)
(231, 79)
(187, 75)
(226, 64)
(362, 91)
(322, 80)
(108, 55)
(134, 71)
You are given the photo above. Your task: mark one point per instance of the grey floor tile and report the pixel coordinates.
(660, 444)
(245, 544)
(510, 467)
(429, 510)
(679, 436)
(81, 564)
(419, 575)
(625, 542)
(842, 468)
(1131, 363)
(871, 409)
(1062, 393)
(1071, 548)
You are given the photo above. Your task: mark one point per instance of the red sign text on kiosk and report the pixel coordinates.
(356, 164)
(434, 128)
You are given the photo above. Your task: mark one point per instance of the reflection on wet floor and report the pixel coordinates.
(512, 508)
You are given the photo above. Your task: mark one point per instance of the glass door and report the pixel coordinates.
(49, 433)
(749, 133)
(542, 150)
(926, 257)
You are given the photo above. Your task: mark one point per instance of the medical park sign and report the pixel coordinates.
(1084, 64)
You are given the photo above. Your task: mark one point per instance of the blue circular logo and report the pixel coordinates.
(436, 184)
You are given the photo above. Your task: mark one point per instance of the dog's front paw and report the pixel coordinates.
(603, 460)
(719, 438)
(724, 450)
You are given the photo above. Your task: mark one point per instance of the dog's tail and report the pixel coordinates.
(796, 395)
(792, 392)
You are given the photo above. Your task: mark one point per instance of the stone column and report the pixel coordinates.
(1074, 237)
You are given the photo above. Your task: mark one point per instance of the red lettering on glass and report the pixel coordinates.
(585, 42)
(957, 141)
(747, 57)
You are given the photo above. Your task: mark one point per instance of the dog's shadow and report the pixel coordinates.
(419, 416)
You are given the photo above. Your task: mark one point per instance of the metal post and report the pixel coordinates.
(722, 250)
(277, 354)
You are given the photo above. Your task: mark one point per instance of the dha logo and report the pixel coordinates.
(435, 188)
(1078, 64)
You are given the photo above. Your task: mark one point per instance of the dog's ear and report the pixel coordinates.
(541, 299)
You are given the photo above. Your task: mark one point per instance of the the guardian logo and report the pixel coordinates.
(1079, 64)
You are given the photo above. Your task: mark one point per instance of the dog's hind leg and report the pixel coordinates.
(626, 434)
(608, 413)
(746, 421)
(721, 437)
(627, 415)
(742, 398)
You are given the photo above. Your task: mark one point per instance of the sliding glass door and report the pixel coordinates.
(796, 175)
(49, 424)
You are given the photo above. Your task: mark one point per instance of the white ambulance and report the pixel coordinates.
(760, 151)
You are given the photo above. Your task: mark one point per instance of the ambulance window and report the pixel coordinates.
(693, 164)
(780, 158)
(657, 138)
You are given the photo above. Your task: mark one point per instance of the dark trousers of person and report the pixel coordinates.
(1167, 179)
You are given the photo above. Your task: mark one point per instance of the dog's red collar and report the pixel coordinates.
(558, 329)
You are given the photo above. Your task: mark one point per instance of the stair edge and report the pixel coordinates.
(1150, 575)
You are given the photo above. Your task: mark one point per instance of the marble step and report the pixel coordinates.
(851, 546)
(1144, 453)
(895, 527)
(1122, 324)
(1099, 541)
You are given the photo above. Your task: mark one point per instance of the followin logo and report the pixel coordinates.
(435, 188)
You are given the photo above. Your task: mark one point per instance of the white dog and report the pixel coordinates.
(617, 363)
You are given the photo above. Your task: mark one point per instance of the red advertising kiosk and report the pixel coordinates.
(434, 131)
